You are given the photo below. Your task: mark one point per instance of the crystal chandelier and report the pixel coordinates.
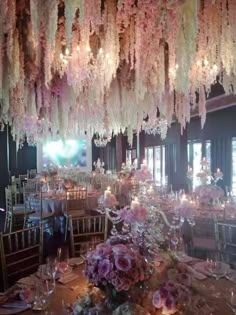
(101, 141)
(157, 126)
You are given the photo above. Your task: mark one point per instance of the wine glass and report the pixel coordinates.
(63, 260)
(231, 300)
(52, 266)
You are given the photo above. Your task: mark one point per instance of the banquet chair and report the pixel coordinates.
(226, 241)
(31, 173)
(86, 232)
(75, 205)
(36, 215)
(32, 186)
(20, 254)
(16, 183)
(76, 202)
(203, 236)
(18, 207)
(14, 218)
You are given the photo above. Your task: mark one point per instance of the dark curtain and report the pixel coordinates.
(170, 163)
(108, 156)
(26, 158)
(221, 157)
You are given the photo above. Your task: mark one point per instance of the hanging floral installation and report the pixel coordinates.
(75, 67)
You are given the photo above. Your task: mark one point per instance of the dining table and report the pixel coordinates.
(55, 202)
(215, 292)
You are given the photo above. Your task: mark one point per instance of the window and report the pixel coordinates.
(196, 151)
(155, 157)
(130, 155)
(149, 159)
(159, 175)
(234, 166)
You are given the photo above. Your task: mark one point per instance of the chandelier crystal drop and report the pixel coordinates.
(158, 126)
(94, 65)
(101, 141)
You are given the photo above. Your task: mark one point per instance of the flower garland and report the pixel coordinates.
(110, 65)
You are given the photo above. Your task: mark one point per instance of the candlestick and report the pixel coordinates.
(107, 193)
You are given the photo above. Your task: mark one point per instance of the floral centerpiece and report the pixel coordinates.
(143, 174)
(208, 194)
(132, 215)
(108, 200)
(170, 297)
(204, 175)
(115, 269)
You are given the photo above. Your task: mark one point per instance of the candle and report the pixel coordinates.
(144, 165)
(184, 198)
(107, 193)
(232, 298)
(135, 204)
(218, 170)
(150, 190)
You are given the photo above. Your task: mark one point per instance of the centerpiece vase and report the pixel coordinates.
(114, 298)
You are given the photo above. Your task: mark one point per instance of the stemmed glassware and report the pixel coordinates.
(63, 260)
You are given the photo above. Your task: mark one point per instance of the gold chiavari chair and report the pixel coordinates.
(76, 201)
(31, 173)
(36, 214)
(226, 241)
(16, 193)
(75, 204)
(16, 183)
(21, 254)
(86, 232)
(203, 235)
(14, 217)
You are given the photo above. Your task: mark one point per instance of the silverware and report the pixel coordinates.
(14, 305)
(233, 309)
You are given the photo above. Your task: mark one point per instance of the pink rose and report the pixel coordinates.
(104, 267)
(123, 262)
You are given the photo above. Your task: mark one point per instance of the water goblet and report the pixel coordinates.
(63, 260)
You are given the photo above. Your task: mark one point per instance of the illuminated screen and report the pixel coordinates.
(70, 153)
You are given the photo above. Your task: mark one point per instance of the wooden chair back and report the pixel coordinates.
(21, 253)
(32, 173)
(86, 232)
(226, 241)
(76, 199)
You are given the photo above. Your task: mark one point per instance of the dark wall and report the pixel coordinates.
(221, 123)
(4, 174)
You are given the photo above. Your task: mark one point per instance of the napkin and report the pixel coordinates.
(197, 275)
(201, 268)
(68, 277)
(27, 281)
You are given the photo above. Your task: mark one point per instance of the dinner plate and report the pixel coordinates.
(182, 257)
(13, 310)
(205, 268)
(218, 268)
(76, 261)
